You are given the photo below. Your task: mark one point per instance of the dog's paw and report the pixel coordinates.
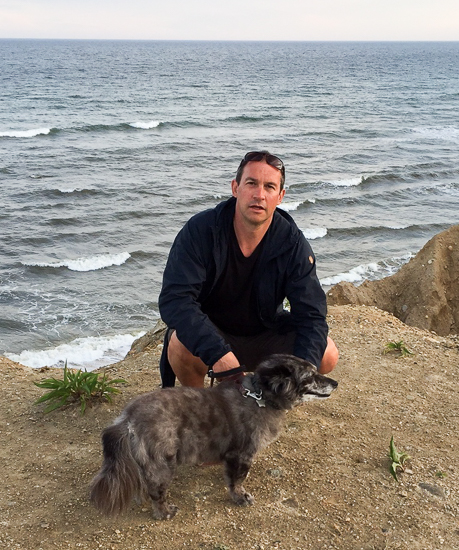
(243, 498)
(171, 511)
(165, 512)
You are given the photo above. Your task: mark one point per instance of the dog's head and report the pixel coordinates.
(286, 381)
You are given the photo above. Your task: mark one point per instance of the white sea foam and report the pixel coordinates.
(145, 125)
(447, 133)
(352, 182)
(90, 263)
(315, 232)
(26, 133)
(398, 226)
(355, 275)
(290, 206)
(371, 271)
(84, 353)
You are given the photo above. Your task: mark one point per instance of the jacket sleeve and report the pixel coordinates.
(308, 304)
(184, 276)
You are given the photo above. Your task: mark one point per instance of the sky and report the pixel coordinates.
(301, 20)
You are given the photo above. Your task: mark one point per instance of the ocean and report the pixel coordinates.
(108, 147)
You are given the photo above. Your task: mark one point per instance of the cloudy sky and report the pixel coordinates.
(231, 19)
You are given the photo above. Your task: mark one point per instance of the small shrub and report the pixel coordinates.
(397, 458)
(82, 386)
(397, 347)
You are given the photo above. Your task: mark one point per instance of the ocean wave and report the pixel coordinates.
(95, 128)
(39, 176)
(314, 233)
(118, 127)
(250, 118)
(26, 133)
(145, 125)
(90, 263)
(367, 231)
(355, 275)
(425, 172)
(371, 271)
(351, 182)
(75, 190)
(83, 353)
(291, 206)
(446, 133)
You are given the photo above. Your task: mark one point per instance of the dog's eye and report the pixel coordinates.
(306, 383)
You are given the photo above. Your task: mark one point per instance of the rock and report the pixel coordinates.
(275, 472)
(433, 489)
(423, 293)
(151, 339)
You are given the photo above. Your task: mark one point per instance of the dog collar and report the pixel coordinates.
(248, 389)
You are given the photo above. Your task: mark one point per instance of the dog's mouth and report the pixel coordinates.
(311, 396)
(321, 392)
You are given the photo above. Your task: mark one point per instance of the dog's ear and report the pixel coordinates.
(277, 379)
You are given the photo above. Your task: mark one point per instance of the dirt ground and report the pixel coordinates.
(324, 484)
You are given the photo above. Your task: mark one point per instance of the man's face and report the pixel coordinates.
(258, 193)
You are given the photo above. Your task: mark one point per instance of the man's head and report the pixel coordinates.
(258, 189)
(261, 156)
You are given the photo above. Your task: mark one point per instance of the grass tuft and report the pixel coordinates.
(397, 347)
(82, 386)
(397, 458)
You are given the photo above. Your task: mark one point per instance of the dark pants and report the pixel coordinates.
(249, 350)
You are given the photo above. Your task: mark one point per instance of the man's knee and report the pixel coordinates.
(189, 369)
(176, 351)
(330, 358)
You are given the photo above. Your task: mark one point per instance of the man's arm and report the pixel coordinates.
(308, 305)
(187, 270)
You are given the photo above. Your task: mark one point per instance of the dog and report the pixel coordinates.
(228, 423)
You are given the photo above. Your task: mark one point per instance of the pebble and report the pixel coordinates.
(433, 489)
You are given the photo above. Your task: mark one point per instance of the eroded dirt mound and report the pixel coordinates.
(424, 293)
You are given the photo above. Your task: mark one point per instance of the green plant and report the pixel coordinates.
(397, 458)
(398, 347)
(441, 475)
(82, 386)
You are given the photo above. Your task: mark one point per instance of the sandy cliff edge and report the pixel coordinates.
(324, 484)
(423, 293)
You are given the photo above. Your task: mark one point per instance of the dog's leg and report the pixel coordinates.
(157, 480)
(236, 471)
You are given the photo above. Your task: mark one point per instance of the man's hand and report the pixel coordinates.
(227, 362)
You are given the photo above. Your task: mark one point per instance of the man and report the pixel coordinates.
(226, 279)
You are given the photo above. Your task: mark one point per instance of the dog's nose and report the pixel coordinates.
(334, 383)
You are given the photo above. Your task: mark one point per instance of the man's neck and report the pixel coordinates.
(249, 236)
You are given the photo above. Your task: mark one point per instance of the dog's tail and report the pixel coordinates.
(119, 479)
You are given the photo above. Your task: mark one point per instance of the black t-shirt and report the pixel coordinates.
(231, 305)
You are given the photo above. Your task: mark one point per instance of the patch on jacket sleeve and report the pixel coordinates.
(311, 259)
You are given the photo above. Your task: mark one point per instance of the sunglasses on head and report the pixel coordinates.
(272, 160)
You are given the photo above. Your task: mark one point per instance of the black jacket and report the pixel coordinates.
(286, 270)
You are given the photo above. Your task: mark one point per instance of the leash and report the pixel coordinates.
(225, 374)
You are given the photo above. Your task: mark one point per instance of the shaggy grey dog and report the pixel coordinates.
(227, 423)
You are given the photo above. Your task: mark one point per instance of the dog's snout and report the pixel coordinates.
(334, 383)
